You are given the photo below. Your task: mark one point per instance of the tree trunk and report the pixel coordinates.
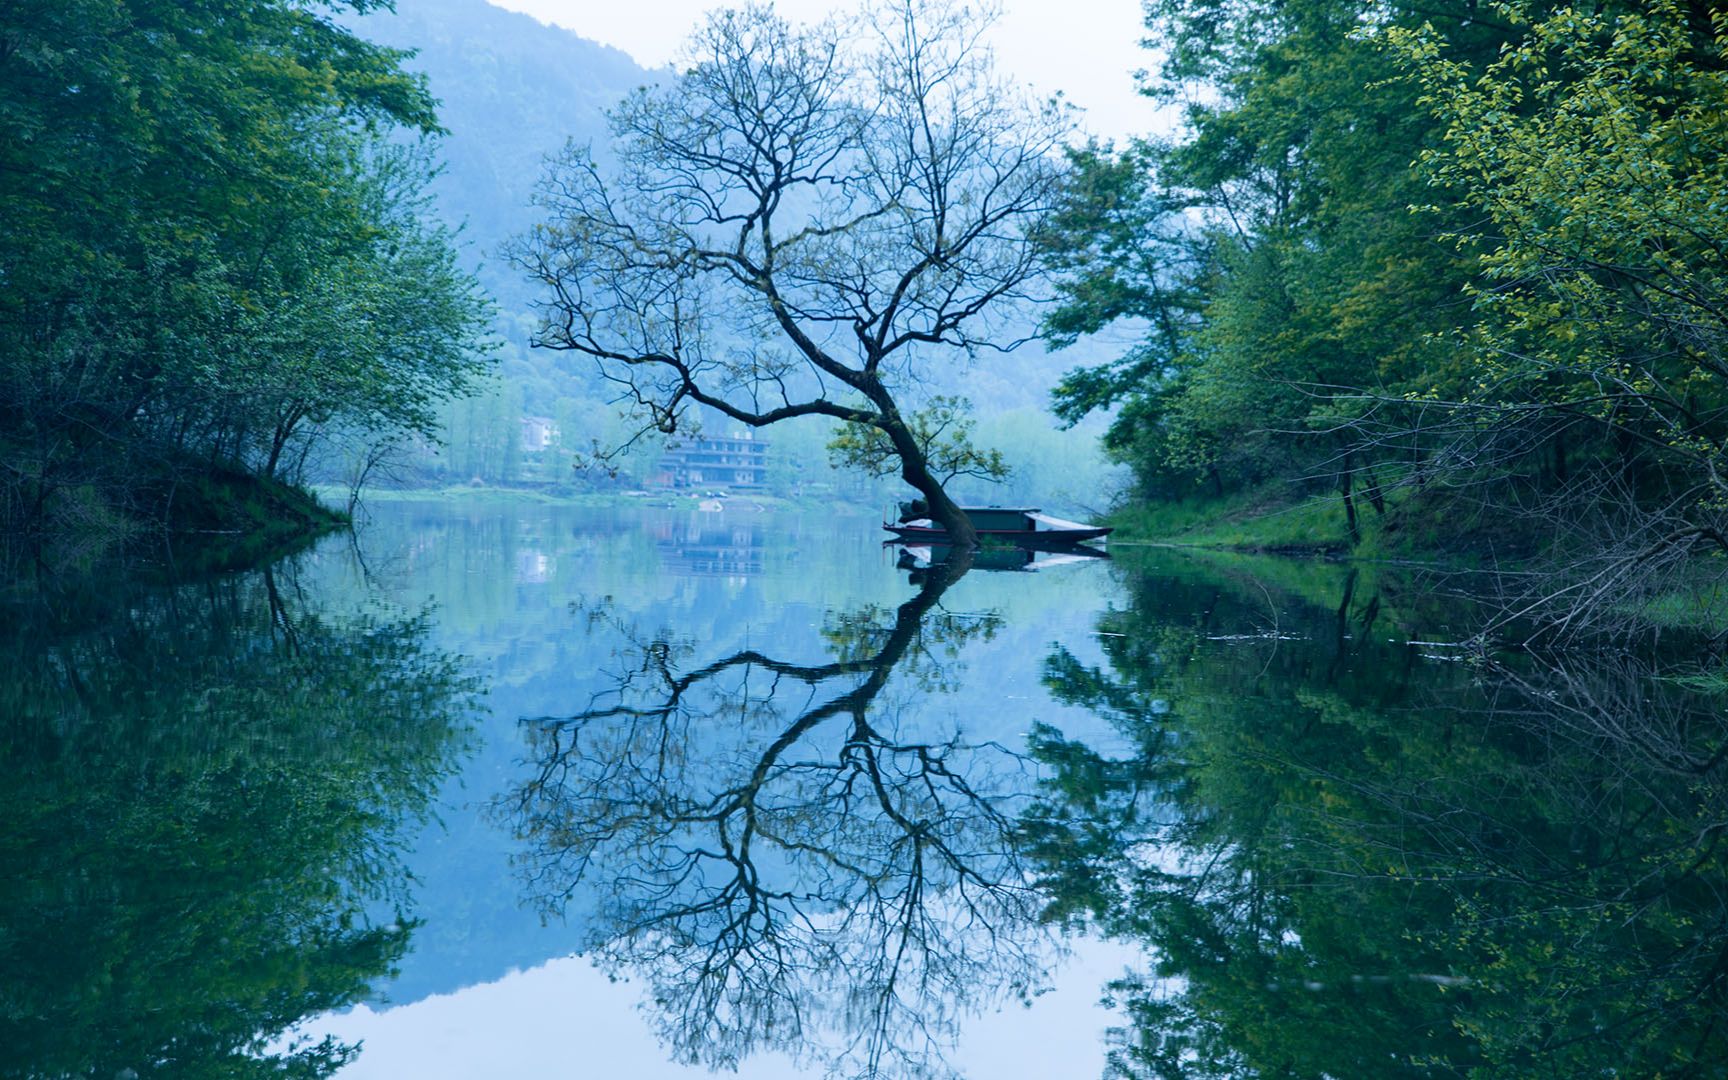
(1344, 479)
(1376, 497)
(915, 470)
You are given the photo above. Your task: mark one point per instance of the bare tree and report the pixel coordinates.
(782, 863)
(806, 222)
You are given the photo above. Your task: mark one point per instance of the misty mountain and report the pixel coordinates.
(511, 90)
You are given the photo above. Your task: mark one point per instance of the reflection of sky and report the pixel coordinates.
(514, 588)
(565, 1019)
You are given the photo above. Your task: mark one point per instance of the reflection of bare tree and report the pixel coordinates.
(777, 860)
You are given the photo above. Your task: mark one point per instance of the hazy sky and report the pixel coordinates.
(1088, 49)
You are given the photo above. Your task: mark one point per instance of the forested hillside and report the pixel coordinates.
(510, 90)
(1459, 266)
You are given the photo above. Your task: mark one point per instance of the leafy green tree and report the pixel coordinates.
(1592, 155)
(213, 247)
(1120, 251)
(1269, 251)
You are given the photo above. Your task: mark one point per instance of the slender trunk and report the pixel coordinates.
(277, 441)
(279, 438)
(1344, 479)
(1376, 497)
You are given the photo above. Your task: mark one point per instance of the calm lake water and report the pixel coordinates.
(519, 790)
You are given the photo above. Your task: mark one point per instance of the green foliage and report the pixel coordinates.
(1429, 246)
(1261, 519)
(1119, 251)
(213, 245)
(206, 795)
(1594, 152)
(1269, 252)
(1336, 874)
(942, 428)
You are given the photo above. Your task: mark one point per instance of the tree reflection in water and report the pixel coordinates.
(1350, 860)
(204, 791)
(784, 867)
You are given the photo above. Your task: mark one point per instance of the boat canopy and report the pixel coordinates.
(1000, 518)
(1042, 522)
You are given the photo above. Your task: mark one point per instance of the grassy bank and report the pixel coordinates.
(1265, 521)
(229, 520)
(1438, 526)
(1450, 537)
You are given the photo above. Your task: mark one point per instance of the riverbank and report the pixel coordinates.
(232, 520)
(1260, 522)
(1438, 527)
(181, 523)
(1465, 548)
(489, 495)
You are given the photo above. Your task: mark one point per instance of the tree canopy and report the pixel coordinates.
(1459, 252)
(213, 246)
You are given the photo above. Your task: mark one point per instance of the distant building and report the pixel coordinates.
(733, 462)
(538, 433)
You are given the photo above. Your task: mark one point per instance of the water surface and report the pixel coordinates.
(650, 791)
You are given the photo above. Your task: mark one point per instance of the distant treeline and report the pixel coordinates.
(212, 254)
(1453, 257)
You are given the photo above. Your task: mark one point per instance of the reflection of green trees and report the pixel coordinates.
(783, 863)
(1351, 861)
(203, 794)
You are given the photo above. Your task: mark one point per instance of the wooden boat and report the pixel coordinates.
(1023, 526)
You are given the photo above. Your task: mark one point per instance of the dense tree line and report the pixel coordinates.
(1467, 250)
(212, 250)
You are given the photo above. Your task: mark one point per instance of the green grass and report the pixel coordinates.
(227, 520)
(1701, 605)
(1262, 521)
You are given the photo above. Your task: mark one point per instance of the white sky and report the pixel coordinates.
(1087, 49)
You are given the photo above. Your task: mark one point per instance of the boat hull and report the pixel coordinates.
(1018, 537)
